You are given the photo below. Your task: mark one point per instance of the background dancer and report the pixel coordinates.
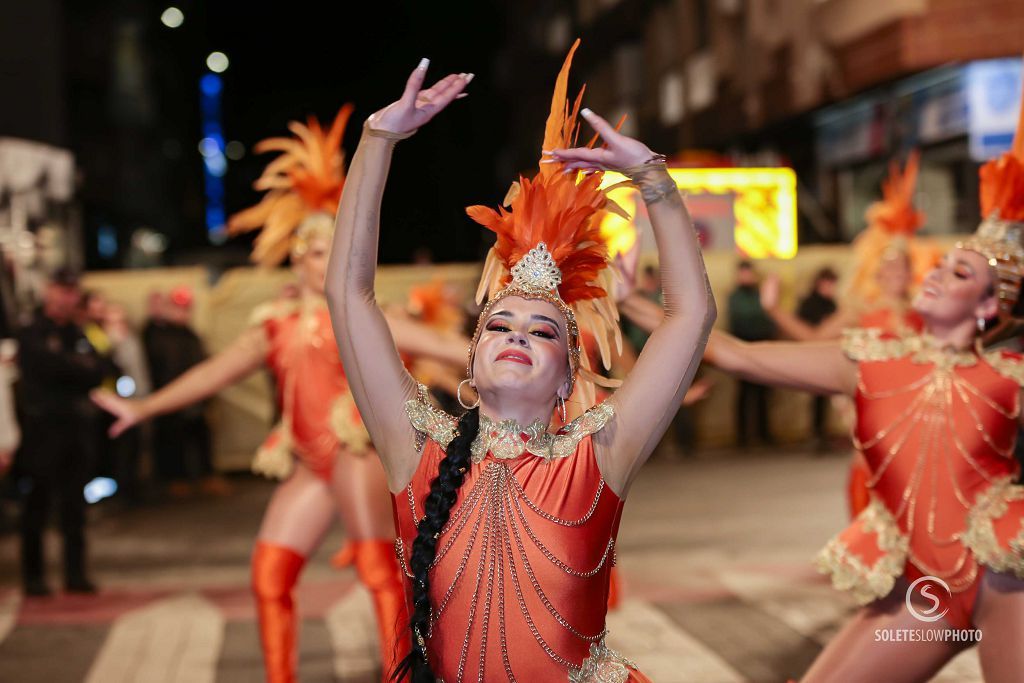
(320, 449)
(937, 421)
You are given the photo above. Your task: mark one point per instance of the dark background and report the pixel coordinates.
(121, 90)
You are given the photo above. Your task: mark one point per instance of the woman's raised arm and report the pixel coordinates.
(650, 396)
(379, 381)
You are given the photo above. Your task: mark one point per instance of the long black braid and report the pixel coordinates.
(444, 490)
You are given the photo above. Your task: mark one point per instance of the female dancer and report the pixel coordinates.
(320, 449)
(937, 419)
(507, 530)
(888, 264)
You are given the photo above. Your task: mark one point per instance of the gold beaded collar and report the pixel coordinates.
(868, 344)
(504, 440)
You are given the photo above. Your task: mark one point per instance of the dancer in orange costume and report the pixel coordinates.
(320, 449)
(889, 262)
(507, 531)
(937, 421)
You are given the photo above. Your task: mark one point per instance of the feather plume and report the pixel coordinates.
(1002, 180)
(892, 223)
(306, 178)
(562, 210)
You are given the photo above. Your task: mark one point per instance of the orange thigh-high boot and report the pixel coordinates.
(378, 569)
(275, 571)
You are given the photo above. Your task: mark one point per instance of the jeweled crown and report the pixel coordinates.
(537, 271)
(1002, 243)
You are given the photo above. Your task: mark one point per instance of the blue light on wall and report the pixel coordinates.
(215, 164)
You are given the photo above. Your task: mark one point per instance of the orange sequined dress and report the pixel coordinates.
(894, 322)
(937, 429)
(519, 586)
(317, 411)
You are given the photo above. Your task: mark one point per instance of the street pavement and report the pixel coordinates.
(714, 553)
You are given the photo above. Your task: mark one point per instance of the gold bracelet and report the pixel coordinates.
(653, 181)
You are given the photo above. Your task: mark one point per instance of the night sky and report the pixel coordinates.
(286, 64)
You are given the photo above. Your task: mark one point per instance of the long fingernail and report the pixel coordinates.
(586, 112)
(548, 152)
(469, 78)
(462, 95)
(424, 63)
(549, 161)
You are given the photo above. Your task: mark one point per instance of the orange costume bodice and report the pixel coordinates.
(937, 429)
(519, 586)
(318, 413)
(893, 321)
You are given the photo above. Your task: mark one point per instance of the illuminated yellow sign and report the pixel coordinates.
(763, 207)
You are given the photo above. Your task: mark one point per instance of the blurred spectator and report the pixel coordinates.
(10, 434)
(815, 308)
(749, 322)
(181, 440)
(91, 316)
(58, 367)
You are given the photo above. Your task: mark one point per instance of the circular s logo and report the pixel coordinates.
(925, 589)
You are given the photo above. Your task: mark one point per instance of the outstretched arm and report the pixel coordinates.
(243, 357)
(419, 339)
(651, 395)
(379, 382)
(819, 367)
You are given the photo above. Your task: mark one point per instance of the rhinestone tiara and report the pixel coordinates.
(537, 271)
(1002, 243)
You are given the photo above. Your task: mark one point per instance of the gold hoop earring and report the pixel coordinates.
(561, 408)
(458, 395)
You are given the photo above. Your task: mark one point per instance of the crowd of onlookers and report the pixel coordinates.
(748, 320)
(53, 440)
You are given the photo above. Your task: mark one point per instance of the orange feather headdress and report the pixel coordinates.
(892, 223)
(1000, 237)
(549, 244)
(303, 189)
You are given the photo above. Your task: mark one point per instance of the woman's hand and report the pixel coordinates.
(128, 413)
(627, 265)
(770, 293)
(619, 151)
(418, 106)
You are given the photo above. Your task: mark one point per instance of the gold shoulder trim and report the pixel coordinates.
(980, 535)
(848, 570)
(1010, 368)
(866, 344)
(433, 422)
(272, 309)
(590, 422)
